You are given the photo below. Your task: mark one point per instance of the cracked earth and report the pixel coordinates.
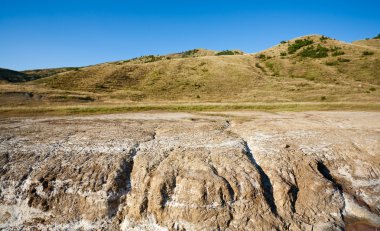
(182, 171)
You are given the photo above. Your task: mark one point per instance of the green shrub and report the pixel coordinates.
(189, 53)
(332, 63)
(372, 89)
(323, 98)
(270, 65)
(261, 56)
(368, 52)
(283, 53)
(314, 52)
(323, 38)
(227, 52)
(299, 43)
(260, 67)
(377, 37)
(283, 42)
(151, 58)
(338, 53)
(273, 68)
(343, 60)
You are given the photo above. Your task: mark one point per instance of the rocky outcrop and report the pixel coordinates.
(178, 171)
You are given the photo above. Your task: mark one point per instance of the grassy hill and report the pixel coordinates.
(307, 69)
(7, 75)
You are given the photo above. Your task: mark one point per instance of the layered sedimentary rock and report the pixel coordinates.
(179, 171)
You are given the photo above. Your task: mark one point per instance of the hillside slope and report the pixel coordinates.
(372, 43)
(12, 76)
(308, 69)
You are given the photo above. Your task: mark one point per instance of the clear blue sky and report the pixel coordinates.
(40, 34)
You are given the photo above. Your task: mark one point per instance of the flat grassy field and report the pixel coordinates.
(108, 109)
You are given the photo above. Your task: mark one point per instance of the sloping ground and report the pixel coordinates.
(12, 76)
(320, 69)
(372, 43)
(42, 73)
(180, 171)
(235, 77)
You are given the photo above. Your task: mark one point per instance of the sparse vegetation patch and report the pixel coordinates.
(298, 44)
(189, 53)
(260, 67)
(228, 52)
(151, 58)
(261, 56)
(365, 53)
(332, 63)
(337, 51)
(323, 38)
(343, 60)
(314, 52)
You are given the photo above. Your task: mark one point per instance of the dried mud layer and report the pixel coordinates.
(180, 171)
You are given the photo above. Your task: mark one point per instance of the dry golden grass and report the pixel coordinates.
(370, 43)
(81, 109)
(201, 77)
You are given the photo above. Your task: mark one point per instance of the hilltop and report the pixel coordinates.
(312, 68)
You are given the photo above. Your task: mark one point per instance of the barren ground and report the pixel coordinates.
(191, 171)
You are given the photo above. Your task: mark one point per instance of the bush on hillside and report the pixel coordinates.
(342, 60)
(314, 52)
(298, 44)
(377, 37)
(368, 52)
(189, 53)
(332, 63)
(227, 52)
(261, 56)
(337, 53)
(151, 58)
(72, 68)
(260, 67)
(323, 38)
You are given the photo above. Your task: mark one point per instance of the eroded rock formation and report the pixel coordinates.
(178, 171)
